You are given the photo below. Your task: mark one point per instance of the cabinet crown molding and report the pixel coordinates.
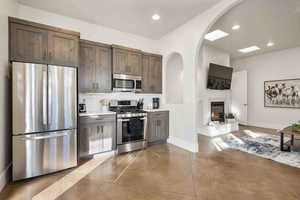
(42, 26)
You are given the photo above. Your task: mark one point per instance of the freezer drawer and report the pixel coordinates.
(43, 153)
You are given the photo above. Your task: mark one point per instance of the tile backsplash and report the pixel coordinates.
(92, 101)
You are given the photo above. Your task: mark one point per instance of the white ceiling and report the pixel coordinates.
(132, 16)
(261, 21)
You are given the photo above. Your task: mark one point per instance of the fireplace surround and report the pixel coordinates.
(218, 111)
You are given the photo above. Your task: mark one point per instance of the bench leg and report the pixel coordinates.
(281, 141)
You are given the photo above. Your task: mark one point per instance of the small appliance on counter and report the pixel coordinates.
(82, 107)
(140, 104)
(155, 103)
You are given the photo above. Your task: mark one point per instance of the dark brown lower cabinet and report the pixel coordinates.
(158, 126)
(97, 134)
(95, 71)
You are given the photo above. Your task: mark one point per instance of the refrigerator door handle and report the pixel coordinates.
(49, 99)
(45, 120)
(44, 137)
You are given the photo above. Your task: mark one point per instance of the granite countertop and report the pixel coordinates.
(156, 110)
(96, 113)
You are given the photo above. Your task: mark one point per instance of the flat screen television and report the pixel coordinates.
(219, 77)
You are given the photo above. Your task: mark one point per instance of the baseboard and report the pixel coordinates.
(4, 177)
(183, 144)
(267, 125)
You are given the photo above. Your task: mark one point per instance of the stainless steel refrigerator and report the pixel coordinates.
(44, 119)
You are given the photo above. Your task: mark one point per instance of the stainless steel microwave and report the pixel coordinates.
(127, 83)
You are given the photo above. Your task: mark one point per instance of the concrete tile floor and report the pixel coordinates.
(165, 171)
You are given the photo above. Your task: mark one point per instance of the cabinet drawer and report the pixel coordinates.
(158, 114)
(97, 119)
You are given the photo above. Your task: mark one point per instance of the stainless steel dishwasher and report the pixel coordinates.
(97, 134)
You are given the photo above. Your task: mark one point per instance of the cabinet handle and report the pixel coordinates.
(98, 129)
(45, 55)
(102, 129)
(50, 55)
(97, 85)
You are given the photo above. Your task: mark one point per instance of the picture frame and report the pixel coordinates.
(282, 93)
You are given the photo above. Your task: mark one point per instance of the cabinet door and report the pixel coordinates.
(108, 130)
(86, 71)
(89, 139)
(28, 44)
(152, 131)
(152, 74)
(63, 49)
(156, 74)
(146, 75)
(120, 61)
(162, 129)
(103, 70)
(158, 128)
(134, 64)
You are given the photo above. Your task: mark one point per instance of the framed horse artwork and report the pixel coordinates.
(282, 93)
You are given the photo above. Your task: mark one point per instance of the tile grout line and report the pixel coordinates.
(124, 170)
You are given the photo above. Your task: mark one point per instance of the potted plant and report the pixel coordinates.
(230, 118)
(296, 127)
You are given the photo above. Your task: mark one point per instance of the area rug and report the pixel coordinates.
(263, 145)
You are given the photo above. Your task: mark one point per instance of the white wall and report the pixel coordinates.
(8, 8)
(93, 100)
(276, 65)
(210, 54)
(187, 40)
(174, 79)
(87, 30)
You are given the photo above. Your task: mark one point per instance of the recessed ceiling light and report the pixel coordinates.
(236, 27)
(155, 17)
(215, 35)
(270, 44)
(249, 49)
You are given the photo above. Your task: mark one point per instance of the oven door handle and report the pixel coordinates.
(127, 120)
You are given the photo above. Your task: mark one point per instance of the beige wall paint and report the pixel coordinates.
(8, 8)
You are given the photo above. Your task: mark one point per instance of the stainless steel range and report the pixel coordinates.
(131, 125)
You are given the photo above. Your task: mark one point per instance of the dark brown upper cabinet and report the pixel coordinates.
(39, 43)
(95, 71)
(127, 61)
(28, 44)
(152, 73)
(63, 49)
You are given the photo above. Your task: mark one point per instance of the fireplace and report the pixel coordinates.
(218, 111)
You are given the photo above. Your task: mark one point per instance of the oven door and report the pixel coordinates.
(131, 129)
